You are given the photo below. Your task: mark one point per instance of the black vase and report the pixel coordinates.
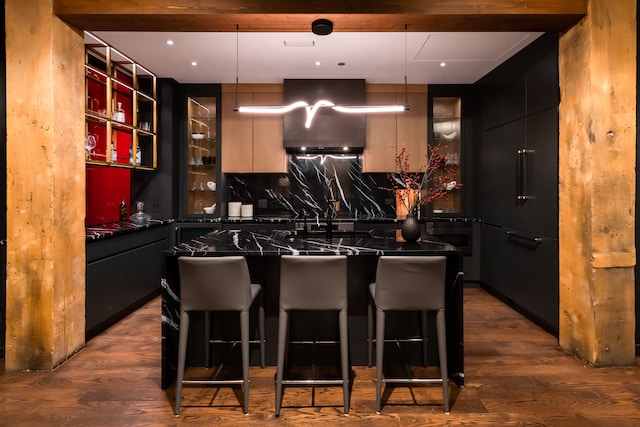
(411, 229)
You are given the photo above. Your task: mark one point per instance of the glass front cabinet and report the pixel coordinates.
(200, 155)
(120, 113)
(446, 137)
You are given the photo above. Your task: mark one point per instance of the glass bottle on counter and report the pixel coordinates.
(140, 217)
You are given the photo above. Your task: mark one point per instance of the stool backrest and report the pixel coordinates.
(214, 283)
(309, 282)
(410, 282)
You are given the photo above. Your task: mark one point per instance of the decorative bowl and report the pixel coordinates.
(197, 135)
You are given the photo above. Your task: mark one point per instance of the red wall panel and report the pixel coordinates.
(106, 187)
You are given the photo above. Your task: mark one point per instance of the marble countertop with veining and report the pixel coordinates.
(285, 242)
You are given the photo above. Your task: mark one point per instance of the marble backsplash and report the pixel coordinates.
(311, 183)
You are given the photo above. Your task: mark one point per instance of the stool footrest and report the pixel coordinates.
(307, 342)
(223, 382)
(411, 380)
(312, 382)
(233, 342)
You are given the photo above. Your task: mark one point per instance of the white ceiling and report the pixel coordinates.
(272, 57)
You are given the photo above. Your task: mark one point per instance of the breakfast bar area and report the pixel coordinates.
(263, 250)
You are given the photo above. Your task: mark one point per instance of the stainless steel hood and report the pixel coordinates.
(330, 131)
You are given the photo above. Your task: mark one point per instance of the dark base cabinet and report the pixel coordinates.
(123, 272)
(522, 270)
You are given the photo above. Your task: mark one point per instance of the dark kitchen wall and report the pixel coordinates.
(517, 181)
(158, 189)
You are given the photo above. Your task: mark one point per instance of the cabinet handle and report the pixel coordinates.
(532, 241)
(523, 175)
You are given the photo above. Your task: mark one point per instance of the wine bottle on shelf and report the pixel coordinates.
(123, 210)
(114, 152)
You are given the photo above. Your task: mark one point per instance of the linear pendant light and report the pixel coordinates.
(312, 109)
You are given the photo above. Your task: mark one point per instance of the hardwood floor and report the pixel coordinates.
(514, 374)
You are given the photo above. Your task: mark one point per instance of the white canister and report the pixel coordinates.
(234, 209)
(247, 211)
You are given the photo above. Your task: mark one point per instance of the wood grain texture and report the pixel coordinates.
(515, 375)
(45, 188)
(290, 15)
(597, 215)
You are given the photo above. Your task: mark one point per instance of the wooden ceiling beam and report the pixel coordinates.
(347, 16)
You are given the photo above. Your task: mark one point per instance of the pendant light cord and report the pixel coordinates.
(237, 50)
(406, 89)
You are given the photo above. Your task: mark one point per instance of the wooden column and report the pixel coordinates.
(597, 184)
(45, 187)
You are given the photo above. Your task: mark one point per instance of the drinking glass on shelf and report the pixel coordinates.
(89, 145)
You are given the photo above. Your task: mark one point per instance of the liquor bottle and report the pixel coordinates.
(114, 153)
(120, 113)
(123, 210)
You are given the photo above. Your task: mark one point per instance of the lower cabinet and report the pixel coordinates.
(123, 272)
(522, 269)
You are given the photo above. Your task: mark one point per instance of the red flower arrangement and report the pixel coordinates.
(431, 181)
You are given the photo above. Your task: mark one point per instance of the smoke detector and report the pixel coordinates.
(322, 27)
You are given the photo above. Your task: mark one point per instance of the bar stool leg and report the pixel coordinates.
(182, 353)
(261, 329)
(442, 354)
(370, 332)
(207, 339)
(282, 344)
(423, 327)
(344, 357)
(244, 338)
(379, 357)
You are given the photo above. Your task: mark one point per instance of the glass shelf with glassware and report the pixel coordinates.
(446, 138)
(200, 194)
(120, 113)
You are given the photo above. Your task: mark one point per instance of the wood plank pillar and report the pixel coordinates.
(45, 187)
(597, 63)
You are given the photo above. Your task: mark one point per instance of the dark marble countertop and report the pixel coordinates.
(112, 229)
(285, 242)
(310, 220)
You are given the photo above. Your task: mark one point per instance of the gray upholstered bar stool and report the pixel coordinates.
(408, 283)
(313, 283)
(217, 284)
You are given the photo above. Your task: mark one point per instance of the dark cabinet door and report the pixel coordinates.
(492, 268)
(513, 98)
(514, 139)
(542, 83)
(541, 210)
(530, 279)
(491, 169)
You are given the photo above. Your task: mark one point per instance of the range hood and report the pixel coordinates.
(330, 130)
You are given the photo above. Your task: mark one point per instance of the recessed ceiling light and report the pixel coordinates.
(194, 63)
(170, 42)
(443, 64)
(317, 62)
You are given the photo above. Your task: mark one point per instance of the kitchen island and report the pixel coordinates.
(263, 249)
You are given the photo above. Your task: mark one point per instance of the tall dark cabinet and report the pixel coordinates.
(517, 181)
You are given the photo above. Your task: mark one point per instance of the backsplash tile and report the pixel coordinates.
(311, 182)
